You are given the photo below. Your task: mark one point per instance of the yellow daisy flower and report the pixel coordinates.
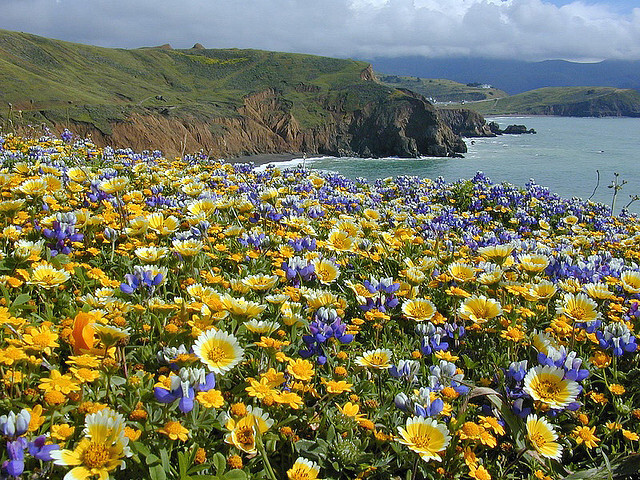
(62, 431)
(46, 276)
(578, 308)
(426, 437)
(301, 369)
(101, 451)
(303, 469)
(585, 435)
(260, 283)
(260, 389)
(210, 399)
(543, 436)
(534, 263)
(337, 387)
(378, 359)
(114, 185)
(546, 384)
(418, 309)
(630, 281)
(326, 271)
(496, 253)
(243, 431)
(479, 309)
(218, 350)
(175, 431)
(289, 398)
(58, 382)
(461, 272)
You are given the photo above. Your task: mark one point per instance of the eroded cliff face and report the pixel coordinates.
(465, 122)
(403, 124)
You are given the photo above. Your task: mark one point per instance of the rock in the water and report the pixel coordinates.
(517, 130)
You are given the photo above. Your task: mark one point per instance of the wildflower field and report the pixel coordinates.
(192, 319)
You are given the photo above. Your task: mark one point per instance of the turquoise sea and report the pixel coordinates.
(563, 156)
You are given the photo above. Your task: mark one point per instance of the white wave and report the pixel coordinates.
(294, 162)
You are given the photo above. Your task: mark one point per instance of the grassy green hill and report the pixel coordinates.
(96, 84)
(441, 90)
(566, 101)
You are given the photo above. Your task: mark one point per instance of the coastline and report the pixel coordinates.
(265, 158)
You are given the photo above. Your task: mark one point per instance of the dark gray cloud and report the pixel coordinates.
(525, 29)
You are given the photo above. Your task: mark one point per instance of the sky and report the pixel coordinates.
(585, 30)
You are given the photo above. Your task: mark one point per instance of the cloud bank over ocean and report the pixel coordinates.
(523, 29)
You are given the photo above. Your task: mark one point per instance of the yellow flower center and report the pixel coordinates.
(537, 439)
(323, 274)
(420, 310)
(216, 354)
(547, 390)
(578, 313)
(244, 435)
(421, 441)
(40, 339)
(96, 455)
(299, 473)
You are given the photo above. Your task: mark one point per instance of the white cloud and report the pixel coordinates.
(525, 29)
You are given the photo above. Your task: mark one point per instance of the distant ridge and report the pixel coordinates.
(565, 101)
(515, 76)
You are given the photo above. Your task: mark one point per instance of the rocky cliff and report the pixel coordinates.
(402, 124)
(465, 122)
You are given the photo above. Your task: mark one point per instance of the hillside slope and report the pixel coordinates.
(441, 90)
(565, 101)
(223, 102)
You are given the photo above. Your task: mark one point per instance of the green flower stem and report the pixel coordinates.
(265, 457)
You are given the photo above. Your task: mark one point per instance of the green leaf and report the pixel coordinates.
(165, 459)
(152, 459)
(141, 447)
(219, 462)
(235, 474)
(331, 433)
(118, 381)
(156, 472)
(20, 300)
(59, 260)
(183, 464)
(619, 469)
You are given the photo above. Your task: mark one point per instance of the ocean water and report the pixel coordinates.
(563, 156)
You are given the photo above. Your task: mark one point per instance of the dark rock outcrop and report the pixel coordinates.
(407, 126)
(198, 46)
(465, 122)
(517, 130)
